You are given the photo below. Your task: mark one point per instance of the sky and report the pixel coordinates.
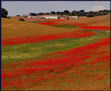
(26, 7)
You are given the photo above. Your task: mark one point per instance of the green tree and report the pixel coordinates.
(4, 12)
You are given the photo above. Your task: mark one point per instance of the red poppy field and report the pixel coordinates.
(58, 55)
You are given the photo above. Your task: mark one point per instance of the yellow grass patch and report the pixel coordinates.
(13, 28)
(94, 21)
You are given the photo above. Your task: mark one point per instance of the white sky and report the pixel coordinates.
(25, 7)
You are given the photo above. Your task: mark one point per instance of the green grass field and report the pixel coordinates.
(21, 52)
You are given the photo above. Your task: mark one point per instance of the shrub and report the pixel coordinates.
(8, 17)
(21, 20)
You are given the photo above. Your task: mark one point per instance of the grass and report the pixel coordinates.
(21, 52)
(86, 76)
(67, 26)
(23, 29)
(94, 21)
(80, 77)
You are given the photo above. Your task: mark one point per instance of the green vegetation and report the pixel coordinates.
(21, 52)
(67, 26)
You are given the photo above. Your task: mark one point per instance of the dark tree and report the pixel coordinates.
(47, 13)
(77, 13)
(52, 12)
(66, 12)
(4, 12)
(17, 15)
(61, 13)
(58, 13)
(104, 12)
(41, 13)
(90, 14)
(82, 13)
(74, 12)
(32, 14)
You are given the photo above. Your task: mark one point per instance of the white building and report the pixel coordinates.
(73, 17)
(49, 17)
(31, 16)
(44, 16)
(53, 17)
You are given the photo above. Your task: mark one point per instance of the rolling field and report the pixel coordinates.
(56, 55)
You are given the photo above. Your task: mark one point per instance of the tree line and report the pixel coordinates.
(75, 13)
(4, 13)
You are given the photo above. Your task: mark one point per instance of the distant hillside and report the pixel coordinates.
(14, 28)
(93, 21)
